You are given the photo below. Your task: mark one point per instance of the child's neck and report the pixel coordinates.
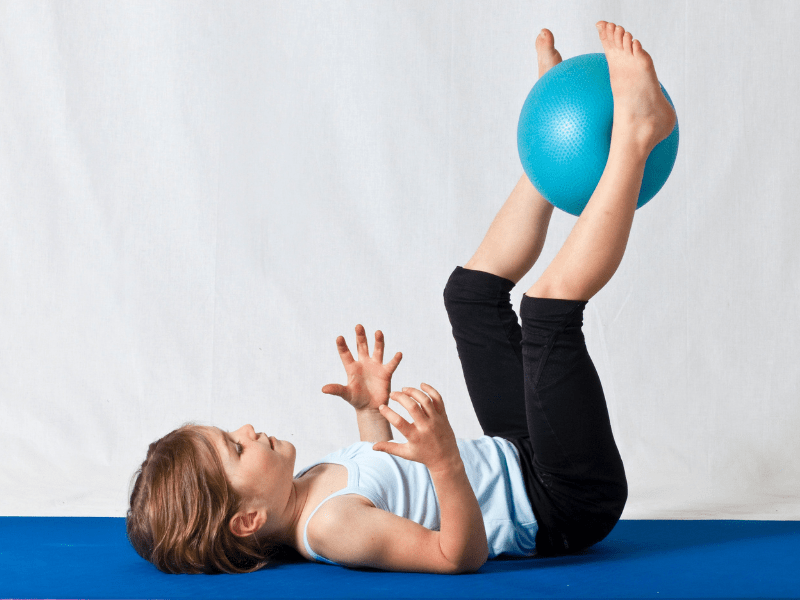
(282, 529)
(310, 490)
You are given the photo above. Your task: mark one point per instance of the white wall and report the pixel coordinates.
(196, 199)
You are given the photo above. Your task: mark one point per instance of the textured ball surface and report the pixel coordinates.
(564, 135)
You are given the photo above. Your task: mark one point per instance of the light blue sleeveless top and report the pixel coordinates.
(405, 488)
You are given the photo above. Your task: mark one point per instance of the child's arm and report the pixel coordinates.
(372, 427)
(354, 534)
(368, 384)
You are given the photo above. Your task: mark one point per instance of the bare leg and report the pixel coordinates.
(516, 236)
(642, 118)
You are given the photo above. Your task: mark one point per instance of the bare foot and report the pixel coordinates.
(640, 108)
(548, 56)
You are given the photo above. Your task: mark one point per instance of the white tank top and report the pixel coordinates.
(405, 488)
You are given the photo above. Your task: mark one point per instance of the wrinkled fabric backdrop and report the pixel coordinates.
(197, 198)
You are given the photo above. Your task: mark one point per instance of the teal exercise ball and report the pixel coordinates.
(564, 135)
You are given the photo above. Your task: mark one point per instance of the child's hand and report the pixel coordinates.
(431, 440)
(368, 379)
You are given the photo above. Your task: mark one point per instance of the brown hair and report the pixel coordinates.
(180, 508)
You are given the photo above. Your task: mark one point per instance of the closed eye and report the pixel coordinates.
(239, 448)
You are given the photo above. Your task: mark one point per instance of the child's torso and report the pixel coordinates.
(369, 479)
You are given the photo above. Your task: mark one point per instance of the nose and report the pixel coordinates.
(248, 431)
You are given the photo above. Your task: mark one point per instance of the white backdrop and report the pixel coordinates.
(197, 198)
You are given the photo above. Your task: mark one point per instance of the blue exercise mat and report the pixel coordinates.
(54, 557)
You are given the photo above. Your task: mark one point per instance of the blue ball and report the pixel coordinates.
(564, 135)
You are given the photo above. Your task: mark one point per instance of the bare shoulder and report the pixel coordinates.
(337, 529)
(337, 510)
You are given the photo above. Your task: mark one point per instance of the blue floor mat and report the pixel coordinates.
(54, 557)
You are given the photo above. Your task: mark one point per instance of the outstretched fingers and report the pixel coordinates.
(363, 345)
(392, 364)
(377, 354)
(363, 349)
(335, 389)
(436, 397)
(417, 404)
(411, 403)
(430, 438)
(399, 422)
(420, 400)
(393, 448)
(344, 351)
(361, 342)
(408, 430)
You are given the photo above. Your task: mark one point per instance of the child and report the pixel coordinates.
(545, 479)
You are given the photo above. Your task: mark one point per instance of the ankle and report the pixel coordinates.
(634, 140)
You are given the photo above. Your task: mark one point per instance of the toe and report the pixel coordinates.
(545, 41)
(642, 54)
(618, 33)
(610, 28)
(601, 29)
(627, 41)
(548, 56)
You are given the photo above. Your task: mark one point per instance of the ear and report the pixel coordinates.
(247, 522)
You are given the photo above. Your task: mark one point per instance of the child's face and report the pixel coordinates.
(259, 468)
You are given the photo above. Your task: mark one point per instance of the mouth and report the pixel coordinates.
(269, 439)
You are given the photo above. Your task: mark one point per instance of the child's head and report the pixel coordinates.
(182, 505)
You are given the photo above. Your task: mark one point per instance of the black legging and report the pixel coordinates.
(537, 387)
